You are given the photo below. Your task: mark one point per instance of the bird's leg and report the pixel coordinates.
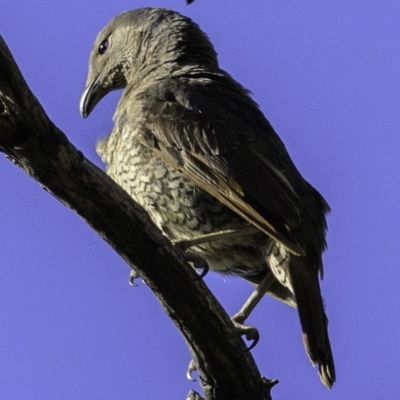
(250, 332)
(240, 317)
(253, 300)
(198, 262)
(184, 244)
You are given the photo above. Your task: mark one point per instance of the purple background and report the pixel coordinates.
(326, 74)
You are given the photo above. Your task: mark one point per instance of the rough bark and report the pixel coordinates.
(32, 142)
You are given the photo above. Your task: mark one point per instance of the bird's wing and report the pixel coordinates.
(218, 138)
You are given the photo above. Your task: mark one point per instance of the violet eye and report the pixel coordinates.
(103, 47)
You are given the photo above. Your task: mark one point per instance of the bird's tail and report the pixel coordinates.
(314, 323)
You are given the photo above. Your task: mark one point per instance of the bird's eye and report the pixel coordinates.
(103, 47)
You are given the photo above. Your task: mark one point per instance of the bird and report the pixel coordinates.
(193, 148)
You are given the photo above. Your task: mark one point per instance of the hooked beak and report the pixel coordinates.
(93, 93)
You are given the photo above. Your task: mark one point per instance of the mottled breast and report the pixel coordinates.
(177, 206)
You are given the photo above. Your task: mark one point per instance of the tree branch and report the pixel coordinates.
(35, 144)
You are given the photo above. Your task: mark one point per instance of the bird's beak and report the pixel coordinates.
(93, 93)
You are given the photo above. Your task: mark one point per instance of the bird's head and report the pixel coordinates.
(110, 60)
(141, 43)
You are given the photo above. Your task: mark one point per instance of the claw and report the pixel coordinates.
(197, 263)
(204, 272)
(132, 276)
(191, 368)
(250, 333)
(255, 342)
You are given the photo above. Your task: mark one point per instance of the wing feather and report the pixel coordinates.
(231, 152)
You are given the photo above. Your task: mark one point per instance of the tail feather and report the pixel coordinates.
(314, 323)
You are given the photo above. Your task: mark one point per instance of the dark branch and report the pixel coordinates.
(35, 144)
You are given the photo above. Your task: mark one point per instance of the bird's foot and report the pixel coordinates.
(191, 368)
(197, 263)
(132, 276)
(248, 331)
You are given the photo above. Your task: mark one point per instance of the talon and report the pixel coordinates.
(204, 272)
(255, 342)
(191, 368)
(197, 263)
(132, 276)
(250, 333)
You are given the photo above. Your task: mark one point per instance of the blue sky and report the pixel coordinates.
(326, 75)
